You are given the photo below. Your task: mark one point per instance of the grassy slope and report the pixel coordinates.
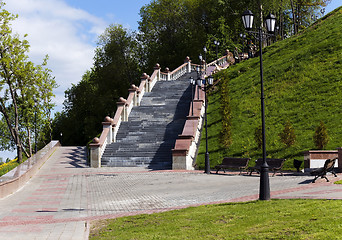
(303, 84)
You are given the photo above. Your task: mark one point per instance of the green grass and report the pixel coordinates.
(276, 219)
(338, 182)
(303, 84)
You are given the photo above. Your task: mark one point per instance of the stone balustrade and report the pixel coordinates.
(124, 108)
(186, 147)
(19, 176)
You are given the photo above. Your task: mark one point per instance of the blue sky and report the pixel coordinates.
(67, 30)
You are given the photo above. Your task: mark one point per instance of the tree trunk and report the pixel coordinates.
(294, 18)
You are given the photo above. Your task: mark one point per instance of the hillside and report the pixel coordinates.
(303, 84)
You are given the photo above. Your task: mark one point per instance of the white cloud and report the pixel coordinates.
(66, 34)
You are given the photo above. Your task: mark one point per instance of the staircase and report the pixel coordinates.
(148, 136)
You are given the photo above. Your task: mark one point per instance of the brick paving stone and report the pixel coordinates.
(65, 195)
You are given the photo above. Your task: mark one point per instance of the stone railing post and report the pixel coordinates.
(339, 159)
(157, 67)
(134, 89)
(108, 123)
(188, 67)
(167, 71)
(95, 153)
(145, 78)
(122, 102)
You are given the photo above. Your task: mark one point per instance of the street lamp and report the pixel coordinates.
(209, 82)
(247, 19)
(192, 83)
(198, 70)
(199, 84)
(205, 58)
(217, 43)
(35, 125)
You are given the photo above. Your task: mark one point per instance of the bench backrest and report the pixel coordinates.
(272, 162)
(238, 162)
(329, 164)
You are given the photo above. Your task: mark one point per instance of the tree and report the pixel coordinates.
(288, 136)
(116, 66)
(321, 137)
(25, 90)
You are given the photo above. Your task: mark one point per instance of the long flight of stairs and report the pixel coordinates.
(150, 133)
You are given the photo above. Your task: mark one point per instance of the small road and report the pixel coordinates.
(65, 195)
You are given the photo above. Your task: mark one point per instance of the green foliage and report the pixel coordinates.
(321, 137)
(275, 219)
(25, 91)
(8, 166)
(116, 67)
(303, 84)
(288, 136)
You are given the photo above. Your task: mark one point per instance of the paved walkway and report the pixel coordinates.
(65, 195)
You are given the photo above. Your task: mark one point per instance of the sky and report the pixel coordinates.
(67, 31)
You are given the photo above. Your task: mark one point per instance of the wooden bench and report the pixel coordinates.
(274, 164)
(322, 172)
(232, 163)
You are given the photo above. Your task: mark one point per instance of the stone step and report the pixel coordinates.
(149, 135)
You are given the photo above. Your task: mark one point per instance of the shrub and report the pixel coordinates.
(8, 166)
(288, 136)
(321, 137)
(258, 136)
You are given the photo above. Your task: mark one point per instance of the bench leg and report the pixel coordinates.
(313, 181)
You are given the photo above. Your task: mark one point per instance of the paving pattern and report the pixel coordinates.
(65, 195)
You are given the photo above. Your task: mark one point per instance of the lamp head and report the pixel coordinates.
(210, 80)
(270, 23)
(247, 19)
(199, 82)
(191, 80)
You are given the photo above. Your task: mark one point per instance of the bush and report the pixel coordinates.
(258, 136)
(321, 137)
(288, 136)
(8, 166)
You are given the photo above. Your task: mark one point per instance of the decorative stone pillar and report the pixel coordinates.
(339, 159)
(108, 122)
(145, 77)
(122, 103)
(134, 89)
(167, 71)
(95, 160)
(157, 67)
(188, 67)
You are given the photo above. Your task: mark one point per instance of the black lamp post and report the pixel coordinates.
(205, 58)
(198, 70)
(217, 43)
(192, 83)
(35, 125)
(247, 19)
(209, 82)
